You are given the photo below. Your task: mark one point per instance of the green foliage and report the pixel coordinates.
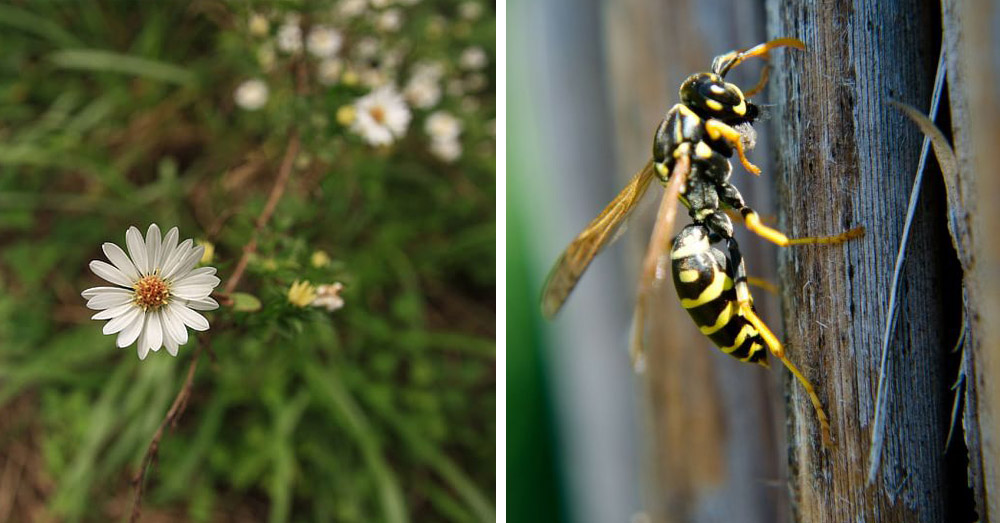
(115, 114)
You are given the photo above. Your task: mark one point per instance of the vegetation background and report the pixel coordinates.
(122, 113)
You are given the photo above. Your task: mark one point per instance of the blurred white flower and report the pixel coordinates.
(258, 25)
(472, 58)
(448, 150)
(433, 70)
(324, 41)
(389, 20)
(289, 37)
(381, 116)
(441, 125)
(329, 71)
(251, 94)
(423, 91)
(329, 296)
(373, 77)
(470, 10)
(157, 291)
(366, 48)
(351, 8)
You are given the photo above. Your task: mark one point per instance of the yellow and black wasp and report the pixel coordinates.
(691, 151)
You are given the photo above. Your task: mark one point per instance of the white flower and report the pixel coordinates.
(447, 149)
(323, 41)
(157, 290)
(366, 48)
(290, 37)
(422, 91)
(329, 71)
(351, 8)
(470, 10)
(381, 116)
(251, 94)
(329, 296)
(389, 20)
(472, 58)
(441, 125)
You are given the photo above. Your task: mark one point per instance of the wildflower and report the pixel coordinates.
(290, 37)
(328, 71)
(301, 293)
(472, 58)
(209, 251)
(319, 259)
(323, 41)
(389, 20)
(422, 92)
(447, 150)
(382, 116)
(366, 48)
(329, 296)
(251, 94)
(351, 8)
(470, 10)
(346, 114)
(441, 125)
(157, 290)
(258, 25)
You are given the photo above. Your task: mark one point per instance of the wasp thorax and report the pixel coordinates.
(151, 292)
(709, 94)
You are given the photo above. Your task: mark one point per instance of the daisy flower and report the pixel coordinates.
(473, 58)
(323, 41)
(329, 296)
(251, 94)
(290, 37)
(157, 290)
(381, 116)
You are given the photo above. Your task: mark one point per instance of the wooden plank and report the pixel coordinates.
(846, 159)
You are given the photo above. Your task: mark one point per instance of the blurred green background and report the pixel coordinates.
(122, 113)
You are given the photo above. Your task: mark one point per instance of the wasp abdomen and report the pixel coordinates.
(703, 277)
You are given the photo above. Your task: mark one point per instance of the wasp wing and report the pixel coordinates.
(655, 265)
(598, 234)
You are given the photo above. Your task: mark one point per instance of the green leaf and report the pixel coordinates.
(111, 62)
(244, 302)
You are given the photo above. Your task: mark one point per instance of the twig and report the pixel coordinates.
(881, 396)
(176, 409)
(284, 173)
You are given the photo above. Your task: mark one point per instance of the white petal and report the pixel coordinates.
(171, 345)
(104, 301)
(94, 291)
(129, 334)
(153, 239)
(137, 248)
(200, 271)
(193, 291)
(175, 257)
(122, 322)
(121, 261)
(173, 326)
(204, 304)
(168, 246)
(154, 330)
(113, 312)
(142, 347)
(198, 279)
(110, 273)
(187, 263)
(189, 317)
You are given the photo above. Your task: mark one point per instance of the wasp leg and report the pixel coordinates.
(753, 223)
(765, 73)
(717, 129)
(723, 63)
(745, 303)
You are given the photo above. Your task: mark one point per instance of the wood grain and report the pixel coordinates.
(845, 159)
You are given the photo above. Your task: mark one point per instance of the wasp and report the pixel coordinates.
(692, 148)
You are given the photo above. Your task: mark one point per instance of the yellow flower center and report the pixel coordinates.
(151, 292)
(378, 114)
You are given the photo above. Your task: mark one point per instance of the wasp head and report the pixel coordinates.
(710, 96)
